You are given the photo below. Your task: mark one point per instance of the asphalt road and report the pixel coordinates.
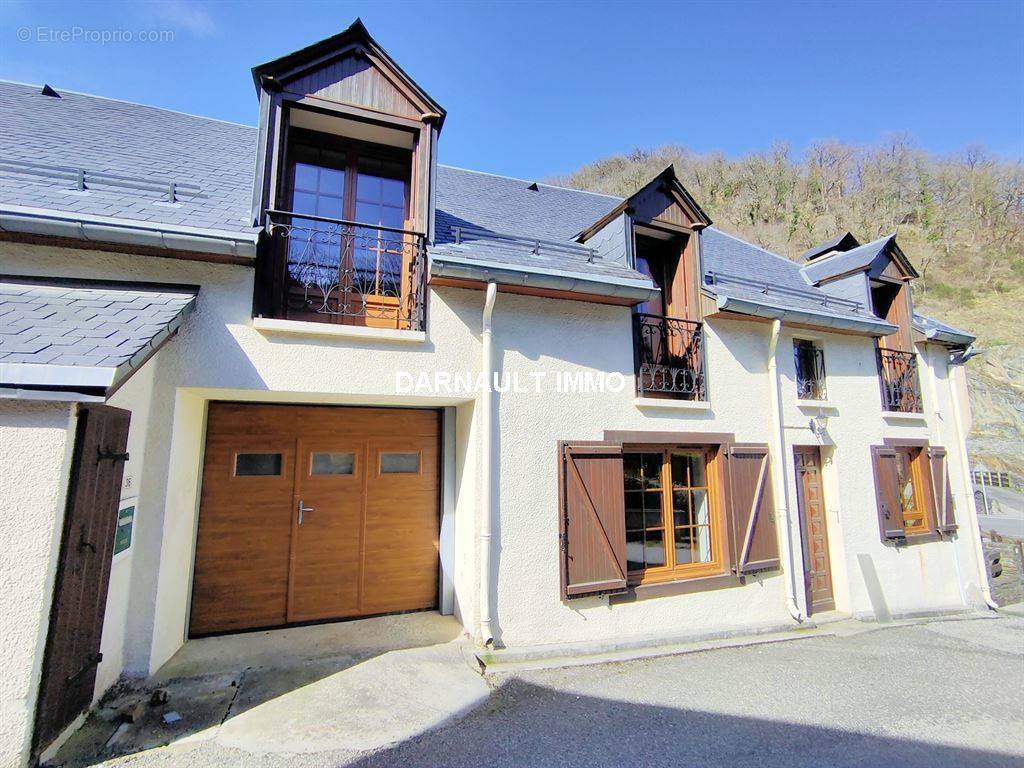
(946, 694)
(1009, 505)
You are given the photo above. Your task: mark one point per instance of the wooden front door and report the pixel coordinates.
(814, 529)
(310, 513)
(83, 570)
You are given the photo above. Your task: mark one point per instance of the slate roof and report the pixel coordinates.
(734, 268)
(101, 330)
(847, 261)
(936, 330)
(488, 219)
(132, 141)
(500, 220)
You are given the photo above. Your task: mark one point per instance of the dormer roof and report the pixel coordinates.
(353, 43)
(844, 241)
(651, 202)
(881, 256)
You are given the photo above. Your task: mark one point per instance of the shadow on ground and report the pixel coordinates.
(529, 725)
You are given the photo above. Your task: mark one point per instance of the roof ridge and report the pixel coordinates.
(765, 250)
(131, 103)
(529, 181)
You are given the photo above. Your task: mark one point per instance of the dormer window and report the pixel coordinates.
(343, 188)
(809, 360)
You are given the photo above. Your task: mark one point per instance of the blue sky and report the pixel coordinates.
(538, 89)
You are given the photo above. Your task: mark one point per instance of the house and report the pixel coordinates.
(254, 377)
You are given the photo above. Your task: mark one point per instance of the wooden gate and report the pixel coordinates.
(83, 571)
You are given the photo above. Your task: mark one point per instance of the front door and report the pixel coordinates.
(814, 529)
(310, 513)
(83, 571)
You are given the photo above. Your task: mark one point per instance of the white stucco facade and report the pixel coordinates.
(219, 355)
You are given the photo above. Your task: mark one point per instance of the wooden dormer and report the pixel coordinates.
(346, 88)
(662, 219)
(343, 187)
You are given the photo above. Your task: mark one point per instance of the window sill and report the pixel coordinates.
(818, 405)
(677, 587)
(901, 416)
(667, 403)
(271, 326)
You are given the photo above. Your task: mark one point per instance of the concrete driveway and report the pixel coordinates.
(941, 693)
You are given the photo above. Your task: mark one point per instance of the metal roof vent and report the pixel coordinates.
(48, 91)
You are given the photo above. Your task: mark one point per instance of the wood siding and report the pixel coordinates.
(355, 79)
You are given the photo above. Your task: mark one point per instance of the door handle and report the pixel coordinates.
(302, 510)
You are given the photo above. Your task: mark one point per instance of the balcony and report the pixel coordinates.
(346, 272)
(897, 374)
(669, 357)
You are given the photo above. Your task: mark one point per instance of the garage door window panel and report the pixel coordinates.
(257, 464)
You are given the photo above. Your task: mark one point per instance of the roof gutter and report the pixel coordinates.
(748, 307)
(103, 229)
(485, 272)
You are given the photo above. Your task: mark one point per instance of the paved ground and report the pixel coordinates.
(945, 693)
(1007, 507)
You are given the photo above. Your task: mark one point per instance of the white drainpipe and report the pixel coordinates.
(972, 511)
(486, 430)
(779, 473)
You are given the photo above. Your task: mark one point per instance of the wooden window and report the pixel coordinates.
(671, 530)
(911, 491)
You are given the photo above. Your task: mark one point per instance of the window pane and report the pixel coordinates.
(368, 213)
(332, 181)
(304, 202)
(681, 507)
(680, 471)
(702, 544)
(652, 470)
(634, 511)
(305, 176)
(654, 548)
(393, 192)
(332, 464)
(634, 550)
(257, 464)
(652, 509)
(399, 463)
(700, 507)
(684, 546)
(697, 472)
(330, 207)
(631, 470)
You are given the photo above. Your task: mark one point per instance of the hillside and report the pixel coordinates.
(959, 219)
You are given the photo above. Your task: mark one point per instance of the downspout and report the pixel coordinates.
(965, 475)
(779, 472)
(486, 431)
(934, 389)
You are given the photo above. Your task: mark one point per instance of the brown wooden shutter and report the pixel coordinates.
(593, 519)
(945, 517)
(753, 537)
(887, 493)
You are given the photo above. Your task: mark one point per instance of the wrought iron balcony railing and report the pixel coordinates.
(669, 355)
(339, 271)
(897, 373)
(810, 371)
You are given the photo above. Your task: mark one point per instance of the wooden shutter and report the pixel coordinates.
(593, 519)
(945, 518)
(753, 537)
(887, 492)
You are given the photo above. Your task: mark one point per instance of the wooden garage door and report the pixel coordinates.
(309, 513)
